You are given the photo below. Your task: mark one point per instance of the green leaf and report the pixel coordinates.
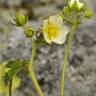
(6, 79)
(14, 67)
(12, 63)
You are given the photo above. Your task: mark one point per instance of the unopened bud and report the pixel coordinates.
(88, 13)
(66, 10)
(20, 19)
(29, 32)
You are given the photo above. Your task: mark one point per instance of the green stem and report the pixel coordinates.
(31, 72)
(10, 88)
(67, 53)
(67, 1)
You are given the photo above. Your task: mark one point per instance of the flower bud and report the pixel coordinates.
(66, 10)
(29, 32)
(20, 19)
(76, 5)
(88, 13)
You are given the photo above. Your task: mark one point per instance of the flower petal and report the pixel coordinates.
(71, 3)
(79, 4)
(62, 36)
(47, 38)
(57, 19)
(44, 30)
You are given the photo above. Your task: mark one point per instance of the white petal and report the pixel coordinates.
(46, 38)
(71, 3)
(79, 4)
(62, 36)
(57, 19)
(45, 22)
(45, 34)
(64, 30)
(60, 40)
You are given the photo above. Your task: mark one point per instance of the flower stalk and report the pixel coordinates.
(64, 67)
(10, 88)
(31, 72)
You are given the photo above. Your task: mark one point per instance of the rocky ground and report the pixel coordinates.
(81, 74)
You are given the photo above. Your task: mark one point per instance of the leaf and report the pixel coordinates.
(6, 79)
(15, 84)
(12, 63)
(16, 80)
(15, 66)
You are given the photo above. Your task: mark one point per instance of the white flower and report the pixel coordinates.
(77, 2)
(54, 30)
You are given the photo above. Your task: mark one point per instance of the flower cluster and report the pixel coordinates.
(54, 29)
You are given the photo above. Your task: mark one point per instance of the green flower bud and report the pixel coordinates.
(29, 32)
(20, 19)
(88, 13)
(66, 10)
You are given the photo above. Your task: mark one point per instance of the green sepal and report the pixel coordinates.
(40, 40)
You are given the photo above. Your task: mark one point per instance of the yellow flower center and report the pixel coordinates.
(51, 29)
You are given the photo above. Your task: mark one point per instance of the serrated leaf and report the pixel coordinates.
(15, 84)
(6, 79)
(15, 67)
(12, 63)
(16, 80)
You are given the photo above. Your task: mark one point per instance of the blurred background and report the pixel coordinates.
(81, 73)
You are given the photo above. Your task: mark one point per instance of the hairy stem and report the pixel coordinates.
(67, 53)
(31, 72)
(10, 88)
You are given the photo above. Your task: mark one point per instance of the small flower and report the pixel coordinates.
(76, 3)
(54, 30)
(20, 19)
